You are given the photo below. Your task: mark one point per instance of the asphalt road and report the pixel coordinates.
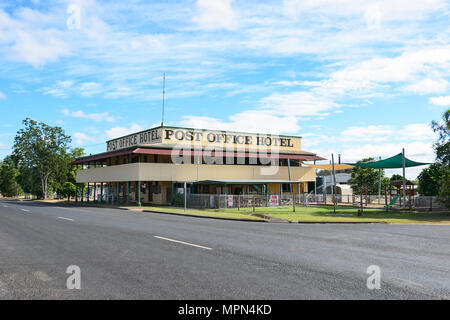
(132, 255)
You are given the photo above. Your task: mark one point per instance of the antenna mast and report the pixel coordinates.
(164, 92)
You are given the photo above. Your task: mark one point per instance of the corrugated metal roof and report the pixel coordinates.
(157, 151)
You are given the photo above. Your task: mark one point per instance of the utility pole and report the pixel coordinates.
(404, 179)
(379, 184)
(334, 183)
(290, 184)
(164, 93)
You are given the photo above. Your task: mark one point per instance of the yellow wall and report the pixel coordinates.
(191, 173)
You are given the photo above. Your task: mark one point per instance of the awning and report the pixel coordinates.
(156, 151)
(394, 162)
(246, 181)
(329, 166)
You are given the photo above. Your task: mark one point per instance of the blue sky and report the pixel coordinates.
(359, 78)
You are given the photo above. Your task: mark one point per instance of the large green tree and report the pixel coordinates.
(41, 147)
(363, 178)
(430, 179)
(442, 148)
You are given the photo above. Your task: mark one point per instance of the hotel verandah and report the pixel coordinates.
(149, 167)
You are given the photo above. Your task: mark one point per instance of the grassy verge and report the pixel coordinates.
(202, 213)
(316, 213)
(346, 214)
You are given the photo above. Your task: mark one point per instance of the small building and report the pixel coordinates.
(153, 165)
(398, 188)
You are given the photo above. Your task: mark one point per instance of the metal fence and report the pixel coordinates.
(217, 201)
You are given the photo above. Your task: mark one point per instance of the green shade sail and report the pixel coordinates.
(394, 162)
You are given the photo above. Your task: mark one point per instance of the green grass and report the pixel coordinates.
(202, 213)
(348, 214)
(315, 214)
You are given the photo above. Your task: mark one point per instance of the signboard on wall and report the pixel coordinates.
(274, 201)
(225, 140)
(230, 200)
(143, 138)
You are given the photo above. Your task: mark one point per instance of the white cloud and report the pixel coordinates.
(367, 133)
(90, 88)
(105, 116)
(373, 16)
(217, 14)
(440, 101)
(247, 121)
(428, 85)
(117, 132)
(412, 132)
(300, 103)
(389, 10)
(2, 96)
(377, 73)
(60, 89)
(38, 48)
(417, 131)
(80, 139)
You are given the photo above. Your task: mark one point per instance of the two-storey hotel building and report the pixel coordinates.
(149, 167)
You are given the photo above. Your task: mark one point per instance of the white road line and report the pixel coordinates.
(25, 210)
(186, 243)
(5, 206)
(66, 219)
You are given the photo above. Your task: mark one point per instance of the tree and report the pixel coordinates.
(66, 172)
(444, 190)
(442, 149)
(364, 178)
(68, 190)
(396, 177)
(385, 184)
(8, 183)
(29, 180)
(429, 180)
(41, 146)
(442, 146)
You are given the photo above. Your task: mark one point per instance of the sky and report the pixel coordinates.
(352, 77)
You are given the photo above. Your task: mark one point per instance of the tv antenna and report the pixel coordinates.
(164, 93)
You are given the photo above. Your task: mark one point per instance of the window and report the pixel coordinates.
(286, 187)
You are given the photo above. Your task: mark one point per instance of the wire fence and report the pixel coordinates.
(218, 201)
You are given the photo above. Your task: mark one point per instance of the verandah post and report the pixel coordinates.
(118, 193)
(139, 193)
(128, 193)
